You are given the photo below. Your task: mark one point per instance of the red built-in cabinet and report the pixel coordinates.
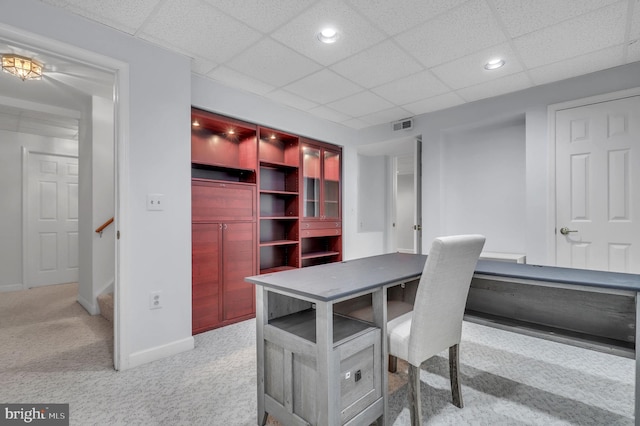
(224, 220)
(263, 201)
(321, 221)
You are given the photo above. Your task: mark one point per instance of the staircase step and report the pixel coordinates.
(105, 302)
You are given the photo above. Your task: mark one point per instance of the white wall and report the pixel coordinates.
(157, 245)
(11, 144)
(97, 255)
(483, 184)
(532, 103)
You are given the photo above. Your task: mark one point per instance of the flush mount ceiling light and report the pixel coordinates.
(25, 68)
(494, 64)
(328, 35)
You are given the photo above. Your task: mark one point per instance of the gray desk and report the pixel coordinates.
(592, 309)
(295, 319)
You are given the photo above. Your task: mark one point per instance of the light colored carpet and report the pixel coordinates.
(46, 329)
(507, 379)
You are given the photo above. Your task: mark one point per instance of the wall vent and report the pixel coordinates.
(406, 124)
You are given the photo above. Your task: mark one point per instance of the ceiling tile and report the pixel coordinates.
(435, 103)
(235, 79)
(291, 100)
(386, 116)
(579, 65)
(593, 31)
(323, 86)
(524, 16)
(202, 66)
(265, 16)
(355, 32)
(329, 114)
(469, 70)
(124, 16)
(377, 65)
(360, 104)
(411, 88)
(507, 84)
(355, 123)
(264, 61)
(454, 34)
(196, 27)
(396, 16)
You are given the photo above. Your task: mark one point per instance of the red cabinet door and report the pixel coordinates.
(206, 275)
(213, 201)
(239, 261)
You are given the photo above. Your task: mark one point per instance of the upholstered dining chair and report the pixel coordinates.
(435, 323)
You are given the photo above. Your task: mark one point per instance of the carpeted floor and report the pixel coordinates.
(507, 378)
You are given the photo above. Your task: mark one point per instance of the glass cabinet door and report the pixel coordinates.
(331, 207)
(311, 181)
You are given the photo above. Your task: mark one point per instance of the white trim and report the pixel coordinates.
(159, 352)
(551, 140)
(11, 287)
(90, 307)
(37, 43)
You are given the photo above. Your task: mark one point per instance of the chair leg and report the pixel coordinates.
(415, 402)
(454, 362)
(393, 364)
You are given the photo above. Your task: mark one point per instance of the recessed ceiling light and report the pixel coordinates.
(328, 35)
(195, 123)
(494, 64)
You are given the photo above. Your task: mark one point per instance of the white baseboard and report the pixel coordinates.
(92, 308)
(11, 287)
(159, 352)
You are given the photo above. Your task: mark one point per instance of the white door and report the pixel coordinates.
(52, 220)
(598, 186)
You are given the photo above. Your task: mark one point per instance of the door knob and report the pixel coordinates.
(566, 231)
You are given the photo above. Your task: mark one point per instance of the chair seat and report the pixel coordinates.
(398, 332)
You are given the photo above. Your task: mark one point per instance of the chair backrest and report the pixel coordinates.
(442, 295)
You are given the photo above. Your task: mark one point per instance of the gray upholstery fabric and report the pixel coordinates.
(435, 323)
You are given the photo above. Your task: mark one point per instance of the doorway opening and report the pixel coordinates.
(60, 139)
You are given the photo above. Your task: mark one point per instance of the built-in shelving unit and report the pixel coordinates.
(279, 160)
(321, 222)
(223, 216)
(263, 201)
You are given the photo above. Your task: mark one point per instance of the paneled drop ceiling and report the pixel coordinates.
(394, 58)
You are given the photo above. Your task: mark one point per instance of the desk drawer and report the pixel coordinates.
(321, 224)
(309, 233)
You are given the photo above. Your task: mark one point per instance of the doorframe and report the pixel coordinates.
(26, 155)
(390, 237)
(551, 146)
(121, 98)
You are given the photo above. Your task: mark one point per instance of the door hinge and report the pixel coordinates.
(417, 227)
(118, 234)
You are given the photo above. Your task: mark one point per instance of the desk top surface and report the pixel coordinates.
(554, 274)
(339, 280)
(334, 281)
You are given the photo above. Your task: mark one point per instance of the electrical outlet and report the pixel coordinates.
(155, 300)
(358, 375)
(155, 201)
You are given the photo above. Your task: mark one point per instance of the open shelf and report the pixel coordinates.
(222, 172)
(276, 269)
(278, 243)
(303, 325)
(318, 254)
